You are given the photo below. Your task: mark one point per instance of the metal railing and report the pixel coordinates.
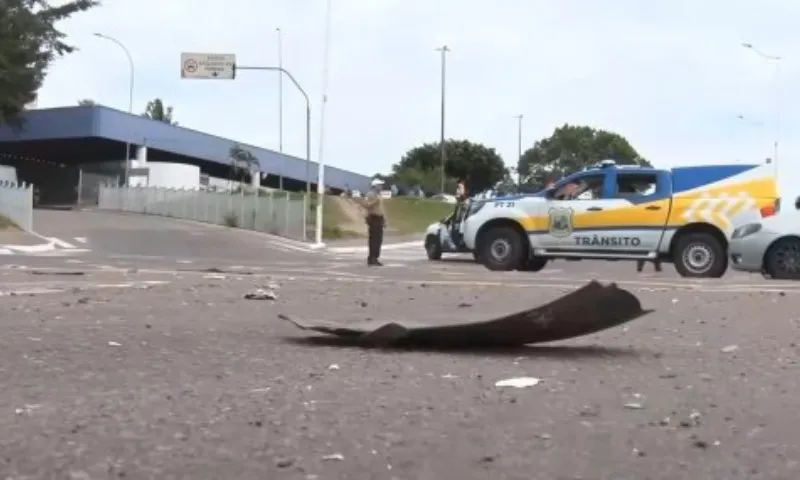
(16, 203)
(271, 211)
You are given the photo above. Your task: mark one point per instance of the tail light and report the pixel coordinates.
(770, 210)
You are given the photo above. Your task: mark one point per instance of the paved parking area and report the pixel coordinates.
(152, 368)
(123, 362)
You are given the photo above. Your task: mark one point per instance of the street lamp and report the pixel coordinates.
(280, 91)
(519, 145)
(130, 100)
(283, 71)
(326, 57)
(777, 60)
(443, 151)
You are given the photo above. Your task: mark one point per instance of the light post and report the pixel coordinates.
(753, 123)
(777, 60)
(130, 100)
(519, 145)
(308, 130)
(320, 157)
(280, 90)
(442, 150)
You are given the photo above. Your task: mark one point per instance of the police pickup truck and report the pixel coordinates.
(684, 215)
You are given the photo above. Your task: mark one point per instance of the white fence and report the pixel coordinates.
(16, 203)
(276, 212)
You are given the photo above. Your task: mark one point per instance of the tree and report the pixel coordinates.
(29, 42)
(86, 102)
(571, 148)
(156, 110)
(242, 162)
(481, 167)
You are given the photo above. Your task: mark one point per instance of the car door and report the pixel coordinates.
(574, 213)
(642, 207)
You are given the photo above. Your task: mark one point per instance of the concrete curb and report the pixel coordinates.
(390, 246)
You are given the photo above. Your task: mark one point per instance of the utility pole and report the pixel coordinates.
(777, 60)
(443, 151)
(519, 145)
(280, 90)
(130, 99)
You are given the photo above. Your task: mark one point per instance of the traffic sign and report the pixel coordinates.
(209, 66)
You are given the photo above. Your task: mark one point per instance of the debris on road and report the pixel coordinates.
(114, 344)
(69, 273)
(634, 406)
(261, 294)
(333, 366)
(518, 382)
(730, 348)
(589, 309)
(333, 456)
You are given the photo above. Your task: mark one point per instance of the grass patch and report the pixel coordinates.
(6, 224)
(409, 215)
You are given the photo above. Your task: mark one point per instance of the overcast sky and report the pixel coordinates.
(670, 75)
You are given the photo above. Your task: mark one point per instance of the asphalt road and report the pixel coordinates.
(145, 367)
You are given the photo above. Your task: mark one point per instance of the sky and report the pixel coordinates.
(671, 76)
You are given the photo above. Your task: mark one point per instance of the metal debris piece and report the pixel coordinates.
(261, 294)
(589, 309)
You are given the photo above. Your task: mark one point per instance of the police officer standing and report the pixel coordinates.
(376, 222)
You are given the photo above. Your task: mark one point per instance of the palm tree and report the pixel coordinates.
(156, 110)
(242, 162)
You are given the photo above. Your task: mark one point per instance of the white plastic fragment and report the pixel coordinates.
(334, 456)
(114, 344)
(634, 406)
(730, 348)
(333, 366)
(518, 382)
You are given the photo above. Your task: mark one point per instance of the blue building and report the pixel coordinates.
(70, 137)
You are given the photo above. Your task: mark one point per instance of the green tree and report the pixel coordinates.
(86, 102)
(571, 148)
(156, 110)
(29, 42)
(480, 166)
(242, 162)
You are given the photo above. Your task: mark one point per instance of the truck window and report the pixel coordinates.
(588, 187)
(636, 184)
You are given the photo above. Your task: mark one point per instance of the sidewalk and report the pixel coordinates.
(20, 238)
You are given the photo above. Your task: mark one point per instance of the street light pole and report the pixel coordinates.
(308, 130)
(519, 145)
(130, 100)
(280, 91)
(320, 157)
(777, 60)
(443, 151)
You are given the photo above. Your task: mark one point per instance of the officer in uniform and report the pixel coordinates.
(376, 222)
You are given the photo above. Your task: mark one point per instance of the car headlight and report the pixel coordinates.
(475, 208)
(746, 230)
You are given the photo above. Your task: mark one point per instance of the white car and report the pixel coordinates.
(770, 246)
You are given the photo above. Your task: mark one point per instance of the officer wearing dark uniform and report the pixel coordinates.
(640, 265)
(376, 222)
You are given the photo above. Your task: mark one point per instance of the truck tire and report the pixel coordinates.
(433, 247)
(700, 255)
(501, 249)
(534, 264)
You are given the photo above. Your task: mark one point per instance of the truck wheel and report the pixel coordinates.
(782, 260)
(534, 264)
(700, 255)
(501, 249)
(433, 247)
